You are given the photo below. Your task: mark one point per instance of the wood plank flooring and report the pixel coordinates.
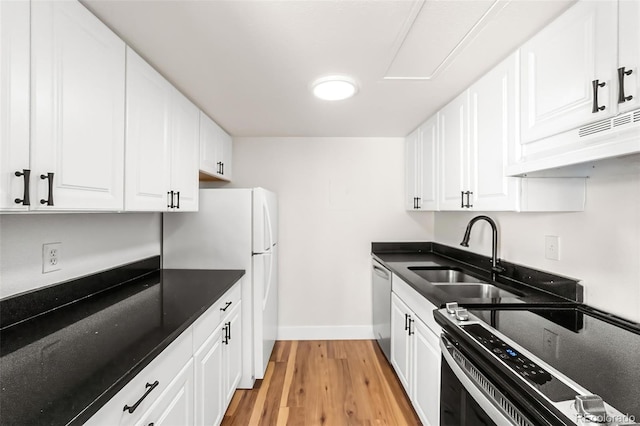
(333, 383)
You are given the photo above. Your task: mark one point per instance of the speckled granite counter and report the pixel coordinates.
(66, 350)
(530, 285)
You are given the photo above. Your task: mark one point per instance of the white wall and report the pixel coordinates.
(600, 246)
(90, 243)
(336, 196)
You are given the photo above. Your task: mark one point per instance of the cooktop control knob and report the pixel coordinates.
(591, 409)
(451, 307)
(461, 314)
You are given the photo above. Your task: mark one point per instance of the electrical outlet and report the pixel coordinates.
(552, 247)
(550, 343)
(51, 257)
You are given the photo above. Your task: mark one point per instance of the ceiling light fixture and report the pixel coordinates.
(334, 88)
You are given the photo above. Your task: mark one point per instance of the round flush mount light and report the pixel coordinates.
(334, 88)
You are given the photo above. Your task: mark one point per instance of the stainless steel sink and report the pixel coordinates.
(443, 275)
(477, 290)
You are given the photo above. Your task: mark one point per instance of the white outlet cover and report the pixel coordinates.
(552, 247)
(51, 257)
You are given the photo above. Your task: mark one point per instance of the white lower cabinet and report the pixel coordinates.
(175, 405)
(208, 369)
(192, 381)
(415, 351)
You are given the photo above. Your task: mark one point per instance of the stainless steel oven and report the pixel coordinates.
(537, 366)
(381, 298)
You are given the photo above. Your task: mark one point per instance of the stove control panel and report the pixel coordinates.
(515, 360)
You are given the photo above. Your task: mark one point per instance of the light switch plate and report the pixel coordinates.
(552, 247)
(51, 257)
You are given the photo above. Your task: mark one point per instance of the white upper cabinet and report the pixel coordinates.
(147, 164)
(185, 152)
(162, 143)
(77, 110)
(628, 55)
(569, 76)
(421, 173)
(453, 127)
(14, 105)
(215, 150)
(493, 138)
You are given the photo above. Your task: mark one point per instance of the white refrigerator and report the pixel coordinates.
(234, 229)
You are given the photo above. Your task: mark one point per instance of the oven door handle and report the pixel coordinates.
(489, 407)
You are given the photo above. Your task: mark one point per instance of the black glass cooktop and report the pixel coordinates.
(599, 352)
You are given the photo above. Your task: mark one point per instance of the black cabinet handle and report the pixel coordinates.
(170, 195)
(595, 84)
(226, 306)
(469, 194)
(406, 322)
(621, 97)
(149, 387)
(228, 331)
(178, 205)
(418, 202)
(222, 168)
(411, 333)
(219, 164)
(49, 200)
(225, 337)
(25, 200)
(462, 199)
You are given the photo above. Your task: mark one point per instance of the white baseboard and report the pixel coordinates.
(339, 332)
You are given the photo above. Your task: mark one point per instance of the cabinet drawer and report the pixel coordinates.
(207, 323)
(416, 302)
(163, 369)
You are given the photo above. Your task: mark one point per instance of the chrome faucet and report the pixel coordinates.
(495, 268)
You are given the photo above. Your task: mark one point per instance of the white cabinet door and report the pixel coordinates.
(147, 164)
(176, 404)
(77, 109)
(560, 65)
(227, 155)
(400, 351)
(411, 168)
(629, 54)
(232, 353)
(454, 160)
(185, 149)
(493, 138)
(215, 149)
(428, 177)
(14, 104)
(426, 374)
(421, 167)
(209, 381)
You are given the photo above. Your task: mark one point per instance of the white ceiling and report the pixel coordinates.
(249, 63)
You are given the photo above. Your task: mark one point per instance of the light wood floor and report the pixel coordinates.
(333, 383)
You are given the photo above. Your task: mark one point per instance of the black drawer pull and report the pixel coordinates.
(462, 199)
(49, 200)
(596, 84)
(25, 200)
(226, 306)
(149, 387)
(406, 322)
(228, 331)
(178, 205)
(621, 97)
(411, 333)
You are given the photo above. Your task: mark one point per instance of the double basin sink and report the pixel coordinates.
(455, 282)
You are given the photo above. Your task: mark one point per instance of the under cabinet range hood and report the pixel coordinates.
(613, 137)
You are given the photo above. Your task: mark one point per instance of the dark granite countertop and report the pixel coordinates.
(66, 350)
(530, 286)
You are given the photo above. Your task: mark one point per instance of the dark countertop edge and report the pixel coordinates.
(99, 402)
(570, 290)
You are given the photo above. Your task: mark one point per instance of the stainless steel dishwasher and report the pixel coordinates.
(381, 296)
